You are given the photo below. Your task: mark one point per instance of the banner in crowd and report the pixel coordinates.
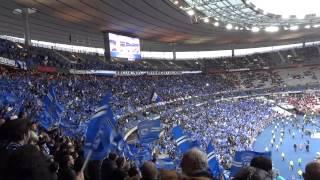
(181, 139)
(149, 131)
(13, 63)
(132, 73)
(46, 69)
(243, 159)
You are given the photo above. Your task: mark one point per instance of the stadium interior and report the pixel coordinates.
(159, 90)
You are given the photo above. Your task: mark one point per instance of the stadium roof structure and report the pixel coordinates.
(245, 14)
(159, 23)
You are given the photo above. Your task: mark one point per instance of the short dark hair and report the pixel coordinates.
(112, 156)
(261, 162)
(312, 171)
(253, 174)
(15, 130)
(120, 162)
(133, 171)
(28, 163)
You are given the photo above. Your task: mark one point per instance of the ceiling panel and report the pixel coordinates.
(158, 23)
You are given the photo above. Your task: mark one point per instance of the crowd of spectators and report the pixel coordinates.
(229, 124)
(35, 56)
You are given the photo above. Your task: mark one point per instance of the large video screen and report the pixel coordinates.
(124, 47)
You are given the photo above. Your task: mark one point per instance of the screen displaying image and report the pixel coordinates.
(124, 47)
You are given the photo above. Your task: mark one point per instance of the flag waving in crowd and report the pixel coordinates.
(243, 159)
(183, 141)
(149, 130)
(155, 98)
(212, 161)
(52, 110)
(101, 132)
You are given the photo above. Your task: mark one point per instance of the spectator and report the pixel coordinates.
(28, 163)
(149, 171)
(252, 174)
(109, 165)
(262, 162)
(312, 171)
(66, 171)
(194, 164)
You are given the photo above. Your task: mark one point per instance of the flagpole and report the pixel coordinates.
(86, 160)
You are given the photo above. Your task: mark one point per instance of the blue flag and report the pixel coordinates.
(149, 131)
(7, 98)
(243, 159)
(182, 141)
(165, 163)
(212, 161)
(52, 107)
(101, 132)
(195, 143)
(118, 143)
(143, 155)
(52, 110)
(45, 120)
(129, 151)
(154, 97)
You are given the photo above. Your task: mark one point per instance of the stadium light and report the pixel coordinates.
(236, 28)
(307, 26)
(288, 8)
(272, 29)
(216, 24)
(255, 29)
(229, 26)
(294, 28)
(190, 12)
(316, 26)
(176, 2)
(206, 20)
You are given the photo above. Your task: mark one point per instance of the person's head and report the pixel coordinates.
(67, 161)
(120, 162)
(112, 156)
(22, 115)
(149, 171)
(133, 172)
(16, 131)
(312, 171)
(119, 174)
(261, 162)
(194, 161)
(166, 174)
(34, 126)
(2, 121)
(253, 174)
(29, 164)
